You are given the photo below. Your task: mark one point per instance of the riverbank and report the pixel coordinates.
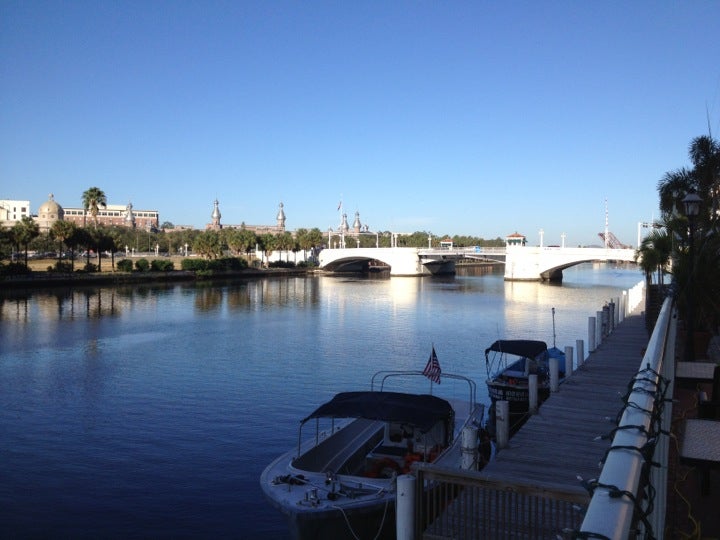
(40, 277)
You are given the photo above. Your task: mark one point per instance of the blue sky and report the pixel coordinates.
(474, 118)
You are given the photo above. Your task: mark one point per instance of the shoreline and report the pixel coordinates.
(38, 279)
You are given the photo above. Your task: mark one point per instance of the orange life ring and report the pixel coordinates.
(383, 468)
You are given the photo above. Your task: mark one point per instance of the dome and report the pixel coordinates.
(50, 210)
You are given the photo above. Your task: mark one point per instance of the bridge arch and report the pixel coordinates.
(524, 263)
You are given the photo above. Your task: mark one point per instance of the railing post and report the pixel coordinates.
(580, 346)
(568, 361)
(502, 424)
(598, 328)
(405, 515)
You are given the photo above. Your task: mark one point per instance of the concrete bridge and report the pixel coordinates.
(522, 263)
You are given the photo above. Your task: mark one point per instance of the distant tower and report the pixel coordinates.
(281, 218)
(216, 216)
(344, 227)
(356, 224)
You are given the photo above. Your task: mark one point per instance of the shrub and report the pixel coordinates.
(124, 265)
(142, 265)
(14, 269)
(214, 265)
(194, 265)
(281, 264)
(89, 267)
(61, 267)
(161, 265)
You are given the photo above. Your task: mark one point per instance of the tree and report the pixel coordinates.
(284, 241)
(208, 244)
(267, 244)
(24, 232)
(92, 199)
(248, 241)
(655, 254)
(703, 178)
(62, 231)
(695, 270)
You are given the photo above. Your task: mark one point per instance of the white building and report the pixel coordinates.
(13, 211)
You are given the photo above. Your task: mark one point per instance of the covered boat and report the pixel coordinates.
(509, 363)
(341, 481)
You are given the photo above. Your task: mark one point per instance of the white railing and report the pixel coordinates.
(639, 438)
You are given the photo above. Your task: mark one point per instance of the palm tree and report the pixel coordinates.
(62, 231)
(655, 254)
(25, 231)
(92, 199)
(284, 242)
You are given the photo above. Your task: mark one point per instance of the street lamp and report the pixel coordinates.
(692, 209)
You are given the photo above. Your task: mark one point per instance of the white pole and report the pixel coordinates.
(554, 375)
(532, 394)
(580, 346)
(469, 448)
(568, 361)
(591, 334)
(502, 423)
(405, 516)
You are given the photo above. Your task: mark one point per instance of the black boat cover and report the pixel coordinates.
(420, 410)
(519, 347)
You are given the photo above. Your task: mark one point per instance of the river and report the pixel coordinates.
(150, 411)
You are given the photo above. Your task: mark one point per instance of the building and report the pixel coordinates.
(48, 213)
(116, 214)
(13, 211)
(278, 228)
(515, 239)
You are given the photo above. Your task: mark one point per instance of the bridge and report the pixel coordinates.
(522, 263)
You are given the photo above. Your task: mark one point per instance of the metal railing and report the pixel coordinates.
(459, 504)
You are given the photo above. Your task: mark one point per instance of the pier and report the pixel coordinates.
(582, 466)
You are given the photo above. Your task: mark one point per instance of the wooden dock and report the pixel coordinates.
(540, 467)
(559, 443)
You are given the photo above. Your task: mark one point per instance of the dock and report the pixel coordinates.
(539, 486)
(534, 487)
(563, 440)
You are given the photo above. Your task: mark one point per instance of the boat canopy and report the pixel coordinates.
(421, 410)
(519, 347)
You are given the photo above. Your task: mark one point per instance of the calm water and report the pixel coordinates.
(151, 411)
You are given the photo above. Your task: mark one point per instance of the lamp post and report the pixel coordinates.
(692, 209)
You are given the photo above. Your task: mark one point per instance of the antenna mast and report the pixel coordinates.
(606, 224)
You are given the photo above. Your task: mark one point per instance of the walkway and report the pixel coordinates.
(565, 441)
(559, 443)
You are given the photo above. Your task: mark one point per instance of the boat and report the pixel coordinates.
(509, 363)
(340, 482)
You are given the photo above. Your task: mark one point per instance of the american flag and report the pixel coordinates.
(432, 368)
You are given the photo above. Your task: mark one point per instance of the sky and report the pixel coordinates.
(471, 118)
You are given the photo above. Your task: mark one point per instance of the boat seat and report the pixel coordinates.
(342, 447)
